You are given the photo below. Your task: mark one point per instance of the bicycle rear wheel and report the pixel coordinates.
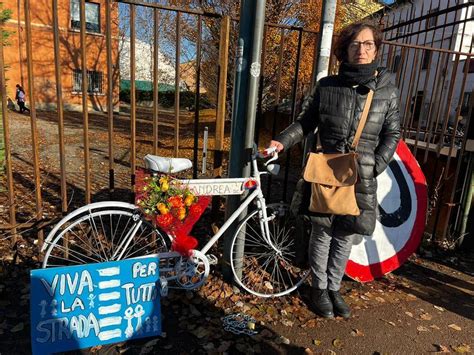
(103, 232)
(258, 267)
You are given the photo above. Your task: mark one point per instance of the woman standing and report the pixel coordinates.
(334, 107)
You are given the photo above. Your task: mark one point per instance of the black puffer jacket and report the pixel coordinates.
(335, 107)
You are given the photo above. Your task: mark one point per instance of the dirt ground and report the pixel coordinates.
(425, 306)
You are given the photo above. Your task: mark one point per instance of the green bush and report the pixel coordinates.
(166, 98)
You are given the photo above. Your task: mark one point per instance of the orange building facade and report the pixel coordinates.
(41, 15)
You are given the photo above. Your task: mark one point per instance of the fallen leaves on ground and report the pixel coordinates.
(455, 327)
(357, 333)
(388, 322)
(426, 316)
(421, 328)
(462, 348)
(441, 348)
(337, 343)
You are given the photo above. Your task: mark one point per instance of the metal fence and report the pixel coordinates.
(429, 51)
(80, 177)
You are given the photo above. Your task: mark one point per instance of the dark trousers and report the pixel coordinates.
(329, 250)
(23, 108)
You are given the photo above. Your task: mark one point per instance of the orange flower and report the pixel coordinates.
(175, 201)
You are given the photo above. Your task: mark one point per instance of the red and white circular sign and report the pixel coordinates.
(402, 203)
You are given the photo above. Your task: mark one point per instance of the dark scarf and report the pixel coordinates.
(356, 74)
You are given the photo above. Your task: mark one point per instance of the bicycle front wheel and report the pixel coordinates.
(101, 234)
(267, 267)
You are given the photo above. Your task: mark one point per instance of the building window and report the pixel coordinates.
(92, 16)
(432, 21)
(425, 61)
(396, 63)
(94, 81)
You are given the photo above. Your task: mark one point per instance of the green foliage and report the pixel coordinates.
(5, 15)
(166, 98)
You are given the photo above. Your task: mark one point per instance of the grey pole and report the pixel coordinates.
(326, 30)
(321, 61)
(244, 103)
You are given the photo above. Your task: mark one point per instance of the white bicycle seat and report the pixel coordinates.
(166, 165)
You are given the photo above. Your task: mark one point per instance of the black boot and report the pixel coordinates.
(321, 302)
(340, 306)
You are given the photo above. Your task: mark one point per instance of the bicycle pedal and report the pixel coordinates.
(212, 259)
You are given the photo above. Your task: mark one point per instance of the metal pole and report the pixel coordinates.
(156, 56)
(133, 98)
(7, 145)
(176, 85)
(59, 96)
(204, 151)
(252, 19)
(110, 93)
(33, 119)
(197, 98)
(328, 15)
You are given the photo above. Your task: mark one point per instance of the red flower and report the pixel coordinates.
(176, 201)
(164, 220)
(195, 210)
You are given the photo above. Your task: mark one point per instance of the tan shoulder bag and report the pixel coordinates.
(333, 176)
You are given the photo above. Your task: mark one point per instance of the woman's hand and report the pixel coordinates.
(277, 145)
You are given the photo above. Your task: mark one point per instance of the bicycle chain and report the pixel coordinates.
(238, 324)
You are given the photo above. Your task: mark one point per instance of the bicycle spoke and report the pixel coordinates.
(267, 262)
(99, 234)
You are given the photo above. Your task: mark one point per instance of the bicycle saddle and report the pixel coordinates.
(166, 165)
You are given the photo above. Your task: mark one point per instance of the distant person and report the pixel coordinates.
(20, 98)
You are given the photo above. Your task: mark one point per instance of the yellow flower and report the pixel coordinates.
(181, 213)
(189, 200)
(164, 186)
(161, 207)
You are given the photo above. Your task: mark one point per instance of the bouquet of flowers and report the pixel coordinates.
(171, 206)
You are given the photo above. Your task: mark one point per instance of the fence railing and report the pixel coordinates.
(40, 186)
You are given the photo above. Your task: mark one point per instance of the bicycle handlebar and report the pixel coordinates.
(272, 168)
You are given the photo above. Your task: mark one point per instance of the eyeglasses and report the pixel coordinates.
(367, 45)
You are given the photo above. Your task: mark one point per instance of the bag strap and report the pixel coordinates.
(363, 119)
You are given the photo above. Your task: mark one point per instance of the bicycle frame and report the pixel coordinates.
(234, 186)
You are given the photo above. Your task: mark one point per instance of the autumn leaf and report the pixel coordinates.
(357, 333)
(337, 343)
(462, 348)
(455, 327)
(426, 316)
(441, 348)
(389, 322)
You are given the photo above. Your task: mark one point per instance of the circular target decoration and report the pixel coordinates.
(402, 204)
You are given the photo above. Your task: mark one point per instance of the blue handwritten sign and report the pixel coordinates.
(81, 306)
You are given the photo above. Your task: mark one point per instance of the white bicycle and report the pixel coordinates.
(262, 255)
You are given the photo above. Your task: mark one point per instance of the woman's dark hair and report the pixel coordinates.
(348, 34)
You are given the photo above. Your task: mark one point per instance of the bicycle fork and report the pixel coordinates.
(263, 220)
